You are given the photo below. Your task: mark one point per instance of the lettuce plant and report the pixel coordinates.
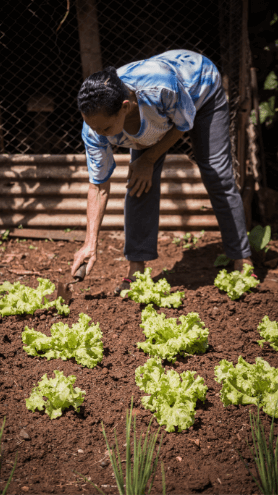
(166, 339)
(248, 384)
(172, 396)
(144, 290)
(269, 331)
(22, 299)
(81, 341)
(236, 283)
(59, 393)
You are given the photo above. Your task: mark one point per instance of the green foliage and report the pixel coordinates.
(248, 384)
(222, 260)
(267, 108)
(81, 341)
(166, 339)
(22, 299)
(264, 455)
(172, 397)
(5, 235)
(13, 469)
(269, 331)
(176, 241)
(144, 291)
(193, 240)
(259, 237)
(236, 283)
(142, 473)
(59, 393)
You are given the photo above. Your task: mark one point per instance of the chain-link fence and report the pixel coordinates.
(49, 47)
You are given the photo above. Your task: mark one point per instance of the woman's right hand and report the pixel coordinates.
(87, 253)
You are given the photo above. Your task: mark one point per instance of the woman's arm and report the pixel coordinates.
(97, 200)
(141, 170)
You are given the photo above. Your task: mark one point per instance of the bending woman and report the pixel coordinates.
(147, 106)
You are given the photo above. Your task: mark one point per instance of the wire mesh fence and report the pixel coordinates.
(49, 47)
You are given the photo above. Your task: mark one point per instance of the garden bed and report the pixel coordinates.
(202, 459)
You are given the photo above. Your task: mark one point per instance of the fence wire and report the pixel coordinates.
(49, 47)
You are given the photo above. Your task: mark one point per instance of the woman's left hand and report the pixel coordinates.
(140, 176)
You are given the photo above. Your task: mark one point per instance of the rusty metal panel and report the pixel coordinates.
(71, 172)
(60, 189)
(51, 190)
(109, 221)
(80, 204)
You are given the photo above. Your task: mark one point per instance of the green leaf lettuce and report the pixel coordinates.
(166, 339)
(59, 393)
(144, 291)
(247, 383)
(269, 331)
(22, 299)
(81, 341)
(172, 396)
(236, 283)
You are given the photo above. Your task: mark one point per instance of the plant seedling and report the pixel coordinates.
(5, 235)
(13, 469)
(258, 238)
(141, 473)
(193, 240)
(264, 455)
(176, 241)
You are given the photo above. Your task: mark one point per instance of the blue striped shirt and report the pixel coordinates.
(169, 88)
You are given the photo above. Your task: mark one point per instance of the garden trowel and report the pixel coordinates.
(64, 290)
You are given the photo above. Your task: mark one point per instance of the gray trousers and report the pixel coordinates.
(211, 146)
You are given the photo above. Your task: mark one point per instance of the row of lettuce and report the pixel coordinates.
(171, 396)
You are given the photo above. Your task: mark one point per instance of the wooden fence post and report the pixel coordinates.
(88, 37)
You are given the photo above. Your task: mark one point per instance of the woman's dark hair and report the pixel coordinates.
(102, 91)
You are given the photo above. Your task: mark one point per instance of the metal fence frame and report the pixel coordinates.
(48, 49)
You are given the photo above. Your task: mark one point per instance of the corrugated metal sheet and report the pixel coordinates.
(50, 191)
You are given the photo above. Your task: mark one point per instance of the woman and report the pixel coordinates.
(147, 106)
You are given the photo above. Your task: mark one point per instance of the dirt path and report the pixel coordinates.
(203, 459)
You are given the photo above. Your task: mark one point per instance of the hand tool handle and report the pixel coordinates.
(81, 272)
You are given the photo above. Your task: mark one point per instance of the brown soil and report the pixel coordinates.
(203, 459)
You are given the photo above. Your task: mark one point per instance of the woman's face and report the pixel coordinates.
(105, 125)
